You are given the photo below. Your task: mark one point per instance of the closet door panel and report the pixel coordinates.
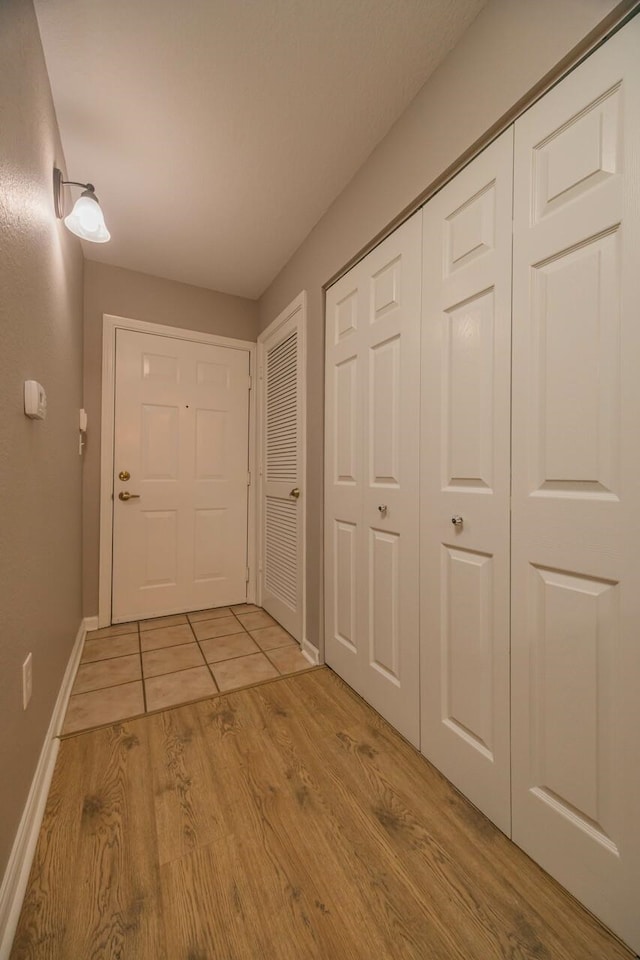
(465, 448)
(576, 494)
(392, 273)
(344, 477)
(371, 523)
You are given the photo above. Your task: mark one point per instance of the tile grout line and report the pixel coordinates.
(201, 651)
(210, 667)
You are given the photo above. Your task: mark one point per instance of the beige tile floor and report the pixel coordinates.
(134, 668)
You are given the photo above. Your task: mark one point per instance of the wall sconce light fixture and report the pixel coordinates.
(86, 219)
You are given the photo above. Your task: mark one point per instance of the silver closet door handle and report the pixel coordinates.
(457, 521)
(383, 509)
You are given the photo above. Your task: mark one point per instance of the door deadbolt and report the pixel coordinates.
(124, 475)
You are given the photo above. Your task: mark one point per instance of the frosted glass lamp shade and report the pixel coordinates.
(86, 219)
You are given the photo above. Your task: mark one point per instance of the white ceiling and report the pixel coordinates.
(217, 132)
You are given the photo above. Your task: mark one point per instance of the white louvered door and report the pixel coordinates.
(281, 574)
(371, 477)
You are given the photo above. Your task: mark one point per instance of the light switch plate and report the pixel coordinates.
(35, 400)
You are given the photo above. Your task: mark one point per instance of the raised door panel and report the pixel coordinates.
(574, 633)
(576, 509)
(467, 638)
(384, 604)
(211, 539)
(159, 441)
(470, 230)
(575, 401)
(212, 454)
(465, 447)
(468, 393)
(344, 587)
(344, 424)
(384, 413)
(159, 548)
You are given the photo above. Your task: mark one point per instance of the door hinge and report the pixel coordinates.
(249, 478)
(247, 577)
(250, 383)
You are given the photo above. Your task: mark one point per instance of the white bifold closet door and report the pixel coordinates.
(371, 480)
(465, 479)
(576, 484)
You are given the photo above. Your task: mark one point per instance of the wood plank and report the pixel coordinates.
(189, 811)
(101, 877)
(46, 907)
(287, 820)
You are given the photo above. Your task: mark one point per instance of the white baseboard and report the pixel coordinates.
(14, 883)
(310, 652)
(90, 623)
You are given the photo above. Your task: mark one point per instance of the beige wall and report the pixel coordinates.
(126, 293)
(509, 47)
(40, 470)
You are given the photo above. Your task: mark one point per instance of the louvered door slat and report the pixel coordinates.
(282, 387)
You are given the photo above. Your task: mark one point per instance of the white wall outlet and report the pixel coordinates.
(27, 681)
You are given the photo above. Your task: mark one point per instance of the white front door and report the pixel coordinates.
(181, 455)
(282, 450)
(465, 480)
(576, 489)
(371, 478)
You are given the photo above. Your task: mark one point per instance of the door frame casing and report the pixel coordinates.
(299, 303)
(110, 324)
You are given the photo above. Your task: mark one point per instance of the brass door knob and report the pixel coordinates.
(125, 495)
(295, 492)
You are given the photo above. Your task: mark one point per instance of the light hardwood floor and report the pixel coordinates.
(283, 822)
